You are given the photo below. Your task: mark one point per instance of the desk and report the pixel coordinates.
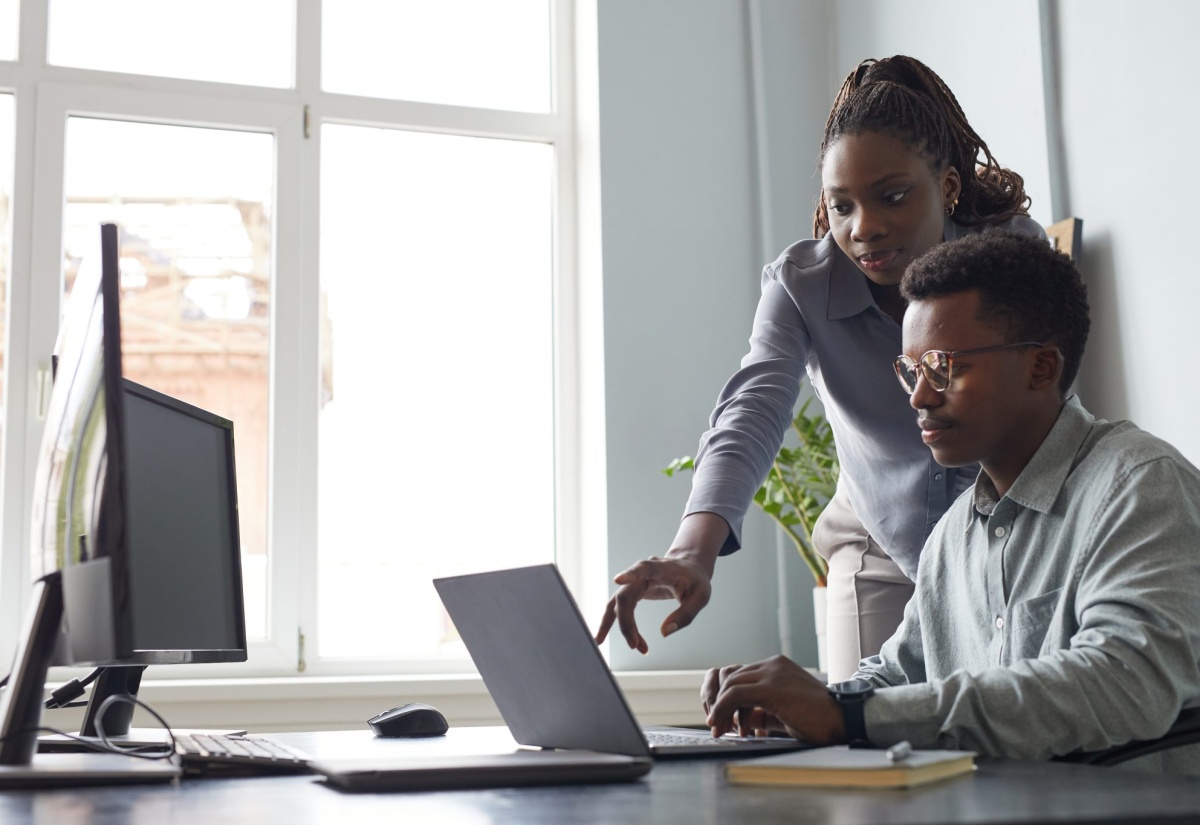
(674, 793)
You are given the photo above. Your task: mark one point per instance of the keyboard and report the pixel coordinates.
(660, 739)
(203, 754)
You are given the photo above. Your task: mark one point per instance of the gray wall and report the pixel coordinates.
(1124, 77)
(989, 54)
(1130, 115)
(683, 249)
(703, 182)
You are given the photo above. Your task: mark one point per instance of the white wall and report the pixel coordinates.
(697, 195)
(682, 249)
(1130, 116)
(790, 69)
(989, 54)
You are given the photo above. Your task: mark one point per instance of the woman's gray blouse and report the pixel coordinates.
(816, 315)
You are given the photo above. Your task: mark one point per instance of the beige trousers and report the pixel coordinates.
(866, 592)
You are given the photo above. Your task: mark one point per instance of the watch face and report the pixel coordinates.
(852, 687)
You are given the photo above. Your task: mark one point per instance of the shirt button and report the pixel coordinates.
(937, 476)
(999, 622)
(999, 532)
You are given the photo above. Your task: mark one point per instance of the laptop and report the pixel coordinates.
(75, 770)
(546, 675)
(466, 771)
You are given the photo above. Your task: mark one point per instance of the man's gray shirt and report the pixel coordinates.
(1063, 616)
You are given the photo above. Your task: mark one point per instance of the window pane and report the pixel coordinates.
(436, 429)
(7, 132)
(9, 27)
(462, 52)
(194, 207)
(254, 38)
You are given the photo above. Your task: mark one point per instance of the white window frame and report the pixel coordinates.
(47, 95)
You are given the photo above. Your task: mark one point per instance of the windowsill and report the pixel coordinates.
(269, 704)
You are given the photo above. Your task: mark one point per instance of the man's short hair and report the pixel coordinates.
(1027, 289)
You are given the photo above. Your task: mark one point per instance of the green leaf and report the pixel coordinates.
(677, 465)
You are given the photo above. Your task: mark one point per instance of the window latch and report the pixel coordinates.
(44, 384)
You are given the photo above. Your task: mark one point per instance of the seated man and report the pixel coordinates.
(1057, 603)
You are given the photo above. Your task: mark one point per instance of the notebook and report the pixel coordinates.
(844, 767)
(546, 675)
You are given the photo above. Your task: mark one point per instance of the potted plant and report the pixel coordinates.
(802, 479)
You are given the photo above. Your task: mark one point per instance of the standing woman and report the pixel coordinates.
(901, 171)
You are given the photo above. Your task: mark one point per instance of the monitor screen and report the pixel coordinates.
(77, 533)
(184, 552)
(78, 526)
(72, 460)
(135, 501)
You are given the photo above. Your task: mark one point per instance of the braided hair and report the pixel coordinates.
(902, 97)
(1027, 289)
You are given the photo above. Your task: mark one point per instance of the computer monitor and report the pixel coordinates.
(183, 541)
(78, 529)
(134, 535)
(184, 565)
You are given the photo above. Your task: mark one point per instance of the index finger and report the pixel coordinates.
(711, 686)
(622, 603)
(606, 622)
(740, 688)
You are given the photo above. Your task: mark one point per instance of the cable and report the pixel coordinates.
(72, 690)
(140, 752)
(65, 693)
(105, 745)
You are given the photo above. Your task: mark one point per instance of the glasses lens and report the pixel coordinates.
(906, 371)
(936, 366)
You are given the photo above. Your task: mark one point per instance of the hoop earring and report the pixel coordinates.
(950, 207)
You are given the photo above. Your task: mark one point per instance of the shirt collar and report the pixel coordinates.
(848, 291)
(1040, 482)
(952, 231)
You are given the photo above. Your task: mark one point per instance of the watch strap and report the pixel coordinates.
(851, 697)
(854, 719)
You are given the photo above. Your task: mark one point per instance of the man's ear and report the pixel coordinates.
(1047, 368)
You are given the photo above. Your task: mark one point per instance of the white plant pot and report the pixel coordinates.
(819, 619)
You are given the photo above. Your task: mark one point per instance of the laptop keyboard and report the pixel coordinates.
(202, 754)
(658, 738)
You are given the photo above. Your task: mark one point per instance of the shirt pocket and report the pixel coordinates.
(1029, 622)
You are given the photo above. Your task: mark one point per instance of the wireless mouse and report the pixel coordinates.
(413, 719)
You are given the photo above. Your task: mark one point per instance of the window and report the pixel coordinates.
(12, 576)
(194, 206)
(230, 41)
(437, 396)
(6, 209)
(361, 259)
(9, 23)
(462, 52)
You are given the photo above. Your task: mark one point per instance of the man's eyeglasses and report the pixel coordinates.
(938, 365)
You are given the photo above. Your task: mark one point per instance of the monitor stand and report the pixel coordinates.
(122, 682)
(21, 713)
(118, 681)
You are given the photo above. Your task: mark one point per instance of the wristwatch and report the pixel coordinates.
(851, 697)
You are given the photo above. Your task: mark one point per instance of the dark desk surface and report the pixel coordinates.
(686, 793)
